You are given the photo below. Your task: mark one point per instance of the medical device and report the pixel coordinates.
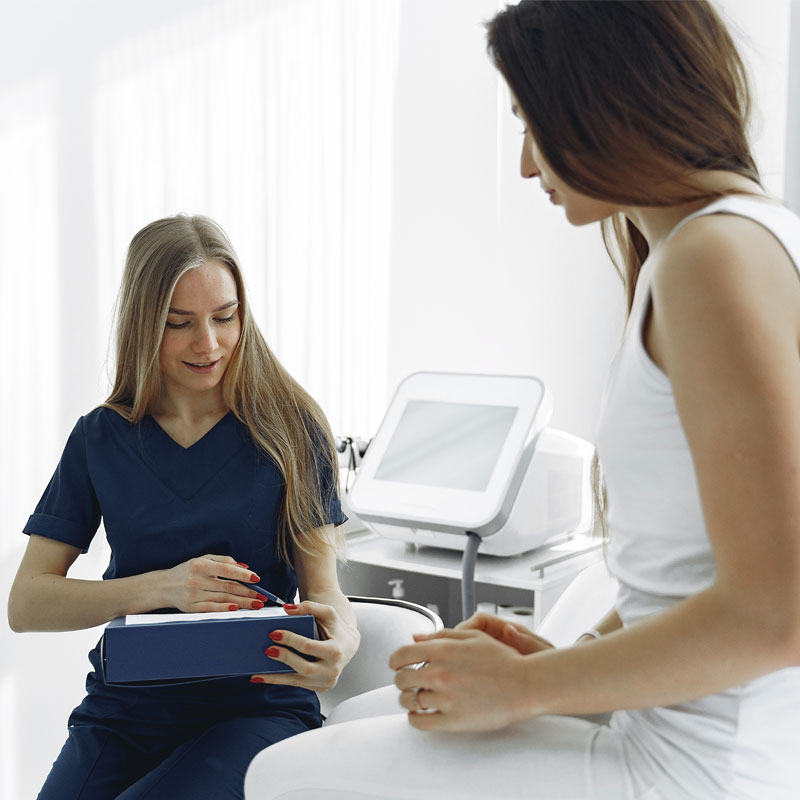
(465, 461)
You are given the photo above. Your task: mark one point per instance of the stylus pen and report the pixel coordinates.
(261, 590)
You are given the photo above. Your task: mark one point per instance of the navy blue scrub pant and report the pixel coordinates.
(146, 748)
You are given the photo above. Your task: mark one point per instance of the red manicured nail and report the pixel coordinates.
(256, 679)
(276, 636)
(290, 606)
(254, 578)
(245, 566)
(233, 607)
(272, 652)
(262, 598)
(256, 604)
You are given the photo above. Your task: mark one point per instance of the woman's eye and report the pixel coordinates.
(176, 326)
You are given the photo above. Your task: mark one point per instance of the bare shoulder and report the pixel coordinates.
(722, 274)
(726, 250)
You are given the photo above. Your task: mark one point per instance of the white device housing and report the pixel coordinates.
(458, 453)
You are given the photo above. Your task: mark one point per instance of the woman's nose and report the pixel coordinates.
(527, 166)
(206, 340)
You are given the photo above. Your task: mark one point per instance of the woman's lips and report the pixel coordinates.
(202, 367)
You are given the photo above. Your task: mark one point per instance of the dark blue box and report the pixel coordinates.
(196, 648)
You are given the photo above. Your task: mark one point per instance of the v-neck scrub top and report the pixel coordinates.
(162, 504)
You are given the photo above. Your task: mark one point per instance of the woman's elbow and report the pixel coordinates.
(14, 621)
(15, 612)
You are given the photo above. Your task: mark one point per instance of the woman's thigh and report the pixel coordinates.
(103, 761)
(97, 762)
(553, 758)
(212, 764)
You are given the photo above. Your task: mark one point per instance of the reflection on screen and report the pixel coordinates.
(451, 445)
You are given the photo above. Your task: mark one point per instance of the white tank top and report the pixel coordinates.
(743, 743)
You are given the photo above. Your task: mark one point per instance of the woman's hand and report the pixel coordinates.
(470, 680)
(512, 634)
(208, 583)
(331, 654)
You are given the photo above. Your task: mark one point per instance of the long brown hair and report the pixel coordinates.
(626, 99)
(284, 421)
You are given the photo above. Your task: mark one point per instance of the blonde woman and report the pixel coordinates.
(208, 464)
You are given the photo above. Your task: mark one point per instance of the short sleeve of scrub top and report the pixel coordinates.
(68, 510)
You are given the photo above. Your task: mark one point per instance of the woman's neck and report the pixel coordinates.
(656, 222)
(190, 409)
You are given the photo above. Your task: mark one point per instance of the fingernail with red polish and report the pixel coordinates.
(290, 606)
(254, 578)
(233, 607)
(262, 598)
(256, 604)
(244, 566)
(276, 636)
(272, 652)
(256, 679)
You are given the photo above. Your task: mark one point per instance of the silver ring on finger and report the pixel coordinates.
(417, 705)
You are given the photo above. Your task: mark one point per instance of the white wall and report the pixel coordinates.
(487, 276)
(762, 33)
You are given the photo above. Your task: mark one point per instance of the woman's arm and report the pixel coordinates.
(43, 598)
(725, 327)
(321, 596)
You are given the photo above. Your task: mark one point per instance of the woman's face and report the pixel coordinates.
(202, 329)
(579, 208)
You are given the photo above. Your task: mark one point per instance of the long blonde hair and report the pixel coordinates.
(284, 421)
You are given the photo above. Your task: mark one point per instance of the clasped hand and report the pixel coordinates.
(473, 675)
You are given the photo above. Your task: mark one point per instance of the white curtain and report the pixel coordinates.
(28, 324)
(29, 289)
(274, 118)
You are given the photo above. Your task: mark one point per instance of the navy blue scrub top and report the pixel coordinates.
(162, 504)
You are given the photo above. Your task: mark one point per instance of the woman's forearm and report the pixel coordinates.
(699, 647)
(57, 603)
(43, 598)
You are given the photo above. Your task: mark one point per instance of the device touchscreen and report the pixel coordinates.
(449, 445)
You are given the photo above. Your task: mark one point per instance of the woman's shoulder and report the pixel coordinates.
(738, 243)
(98, 422)
(723, 275)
